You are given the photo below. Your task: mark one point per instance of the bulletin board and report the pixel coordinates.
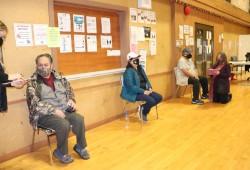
(83, 62)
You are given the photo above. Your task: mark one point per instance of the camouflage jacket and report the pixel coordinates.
(38, 108)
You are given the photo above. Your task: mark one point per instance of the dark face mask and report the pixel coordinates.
(189, 56)
(219, 60)
(1, 41)
(136, 61)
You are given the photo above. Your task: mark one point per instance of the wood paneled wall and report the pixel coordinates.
(97, 97)
(221, 8)
(230, 29)
(197, 16)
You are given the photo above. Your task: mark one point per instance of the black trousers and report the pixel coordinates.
(62, 128)
(196, 86)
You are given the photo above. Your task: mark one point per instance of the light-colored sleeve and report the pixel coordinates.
(181, 64)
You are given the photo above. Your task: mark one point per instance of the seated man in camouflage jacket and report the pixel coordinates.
(52, 104)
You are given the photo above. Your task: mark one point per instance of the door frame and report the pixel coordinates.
(207, 47)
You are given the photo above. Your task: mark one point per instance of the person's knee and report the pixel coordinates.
(150, 103)
(78, 119)
(224, 100)
(159, 99)
(64, 126)
(205, 80)
(227, 99)
(196, 83)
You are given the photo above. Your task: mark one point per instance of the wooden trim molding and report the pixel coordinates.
(221, 9)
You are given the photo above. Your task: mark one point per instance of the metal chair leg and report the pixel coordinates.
(141, 113)
(123, 109)
(177, 90)
(33, 140)
(191, 91)
(50, 152)
(184, 91)
(156, 111)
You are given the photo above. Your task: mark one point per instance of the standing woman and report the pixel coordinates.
(136, 86)
(4, 77)
(221, 84)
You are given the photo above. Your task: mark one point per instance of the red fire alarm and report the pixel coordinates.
(187, 10)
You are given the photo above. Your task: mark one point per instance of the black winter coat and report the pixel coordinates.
(3, 96)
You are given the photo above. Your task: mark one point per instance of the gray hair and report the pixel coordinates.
(44, 55)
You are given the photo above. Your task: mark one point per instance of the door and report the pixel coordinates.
(204, 47)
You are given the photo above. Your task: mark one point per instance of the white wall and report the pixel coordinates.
(244, 46)
(242, 4)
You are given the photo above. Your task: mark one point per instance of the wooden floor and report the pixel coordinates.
(185, 137)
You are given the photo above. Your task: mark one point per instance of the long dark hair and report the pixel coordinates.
(129, 65)
(223, 57)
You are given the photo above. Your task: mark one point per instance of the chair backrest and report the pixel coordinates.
(234, 58)
(177, 77)
(247, 56)
(121, 80)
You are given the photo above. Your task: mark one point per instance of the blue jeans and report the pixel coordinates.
(151, 100)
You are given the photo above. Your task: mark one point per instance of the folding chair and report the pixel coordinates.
(178, 84)
(49, 132)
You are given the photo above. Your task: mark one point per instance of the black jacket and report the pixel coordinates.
(223, 78)
(3, 96)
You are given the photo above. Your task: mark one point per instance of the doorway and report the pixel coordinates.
(204, 47)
